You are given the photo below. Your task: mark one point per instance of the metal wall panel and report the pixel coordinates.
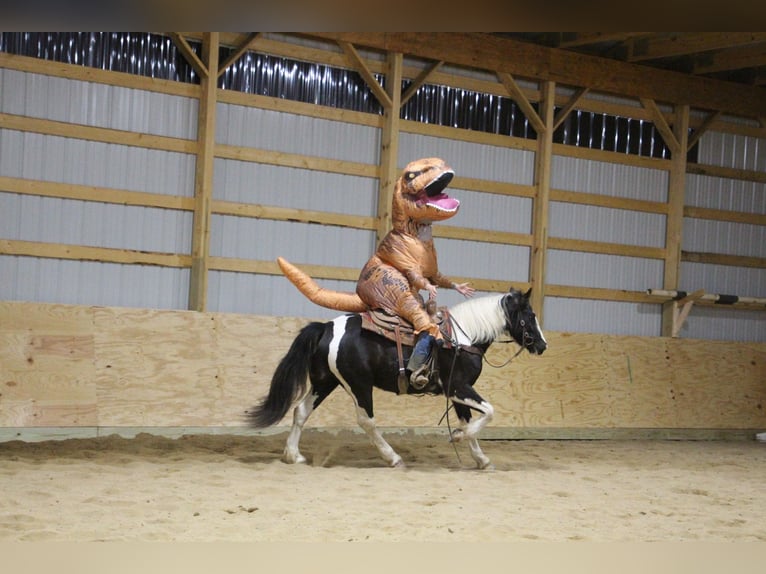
(263, 239)
(720, 323)
(100, 105)
(267, 295)
(726, 237)
(725, 279)
(591, 223)
(733, 150)
(92, 283)
(254, 183)
(608, 317)
(603, 271)
(278, 131)
(53, 220)
(726, 194)
(610, 179)
(67, 160)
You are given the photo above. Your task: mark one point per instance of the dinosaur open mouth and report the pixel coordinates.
(437, 186)
(434, 196)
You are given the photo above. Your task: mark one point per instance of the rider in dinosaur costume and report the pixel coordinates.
(404, 262)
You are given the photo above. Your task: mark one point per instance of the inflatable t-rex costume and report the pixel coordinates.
(404, 262)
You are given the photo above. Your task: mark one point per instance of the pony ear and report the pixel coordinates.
(528, 293)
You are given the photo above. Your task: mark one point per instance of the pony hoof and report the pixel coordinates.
(397, 463)
(293, 459)
(486, 466)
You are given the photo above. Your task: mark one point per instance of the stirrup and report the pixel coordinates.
(420, 377)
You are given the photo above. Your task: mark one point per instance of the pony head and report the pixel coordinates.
(521, 321)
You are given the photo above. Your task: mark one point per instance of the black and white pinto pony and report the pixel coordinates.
(340, 352)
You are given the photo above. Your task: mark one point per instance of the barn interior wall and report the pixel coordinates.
(345, 183)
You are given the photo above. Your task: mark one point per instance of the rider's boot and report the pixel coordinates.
(418, 364)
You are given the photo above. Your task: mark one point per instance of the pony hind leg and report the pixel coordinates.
(302, 411)
(367, 422)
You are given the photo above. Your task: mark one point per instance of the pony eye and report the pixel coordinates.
(522, 323)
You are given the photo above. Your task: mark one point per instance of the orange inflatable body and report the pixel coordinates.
(405, 260)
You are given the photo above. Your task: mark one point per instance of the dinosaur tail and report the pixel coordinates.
(338, 300)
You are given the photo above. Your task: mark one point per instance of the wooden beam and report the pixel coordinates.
(187, 52)
(576, 39)
(752, 56)
(675, 217)
(238, 53)
(355, 62)
(421, 79)
(684, 43)
(487, 52)
(515, 92)
(702, 128)
(569, 106)
(541, 203)
(89, 253)
(389, 144)
(203, 177)
(658, 118)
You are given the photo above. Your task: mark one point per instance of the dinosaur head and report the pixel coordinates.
(419, 194)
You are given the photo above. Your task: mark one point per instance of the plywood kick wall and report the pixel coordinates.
(79, 366)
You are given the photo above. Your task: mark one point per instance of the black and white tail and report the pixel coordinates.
(289, 381)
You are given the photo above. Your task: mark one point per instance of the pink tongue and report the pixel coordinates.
(444, 201)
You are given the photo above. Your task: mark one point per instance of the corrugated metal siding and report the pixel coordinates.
(92, 283)
(68, 160)
(727, 194)
(733, 150)
(52, 220)
(267, 295)
(98, 105)
(262, 239)
(699, 235)
(278, 131)
(603, 271)
(724, 324)
(608, 317)
(610, 179)
(255, 183)
(601, 224)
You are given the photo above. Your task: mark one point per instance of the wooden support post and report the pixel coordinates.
(675, 217)
(389, 143)
(540, 209)
(203, 175)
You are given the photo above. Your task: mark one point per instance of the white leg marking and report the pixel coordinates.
(471, 429)
(301, 414)
(368, 424)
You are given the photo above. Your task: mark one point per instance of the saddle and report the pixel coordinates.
(400, 331)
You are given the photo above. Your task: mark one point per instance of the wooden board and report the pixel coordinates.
(75, 366)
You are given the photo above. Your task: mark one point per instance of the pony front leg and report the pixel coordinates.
(470, 428)
(384, 449)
